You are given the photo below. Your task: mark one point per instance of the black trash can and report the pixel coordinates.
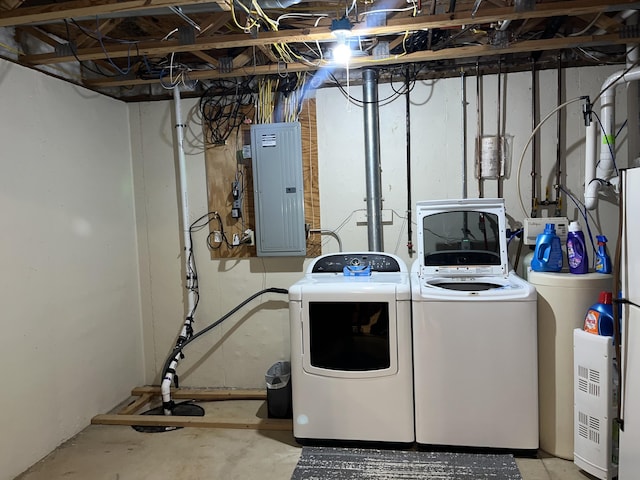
(278, 380)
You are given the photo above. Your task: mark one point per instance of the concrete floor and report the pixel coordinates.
(120, 453)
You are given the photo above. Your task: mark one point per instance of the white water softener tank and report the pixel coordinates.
(563, 301)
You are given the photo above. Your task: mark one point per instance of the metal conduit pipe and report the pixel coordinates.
(407, 86)
(558, 185)
(479, 114)
(463, 91)
(372, 159)
(499, 124)
(633, 102)
(534, 148)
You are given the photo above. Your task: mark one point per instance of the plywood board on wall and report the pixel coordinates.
(225, 163)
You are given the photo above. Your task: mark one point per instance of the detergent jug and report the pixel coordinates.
(576, 250)
(547, 256)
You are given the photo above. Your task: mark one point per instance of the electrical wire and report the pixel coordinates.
(192, 271)
(83, 64)
(583, 211)
(179, 348)
(605, 137)
(381, 102)
(221, 107)
(524, 150)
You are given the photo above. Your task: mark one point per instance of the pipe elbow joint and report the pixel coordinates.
(591, 195)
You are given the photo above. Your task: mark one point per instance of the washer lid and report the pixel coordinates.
(462, 237)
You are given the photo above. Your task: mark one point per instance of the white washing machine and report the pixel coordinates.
(351, 362)
(474, 331)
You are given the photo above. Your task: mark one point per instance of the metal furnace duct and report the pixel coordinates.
(372, 160)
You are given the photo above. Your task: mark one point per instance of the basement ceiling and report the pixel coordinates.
(139, 49)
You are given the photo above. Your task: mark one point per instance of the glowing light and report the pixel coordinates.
(341, 53)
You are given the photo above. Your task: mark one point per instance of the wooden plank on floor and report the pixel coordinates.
(133, 407)
(198, 422)
(205, 394)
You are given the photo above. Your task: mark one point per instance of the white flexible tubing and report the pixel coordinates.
(165, 387)
(604, 168)
(524, 150)
(590, 186)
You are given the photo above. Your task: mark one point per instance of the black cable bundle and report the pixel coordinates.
(220, 106)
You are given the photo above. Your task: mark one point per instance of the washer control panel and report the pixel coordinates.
(377, 262)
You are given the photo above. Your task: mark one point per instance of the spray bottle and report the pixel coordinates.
(603, 262)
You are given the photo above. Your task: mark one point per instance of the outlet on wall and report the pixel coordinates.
(248, 237)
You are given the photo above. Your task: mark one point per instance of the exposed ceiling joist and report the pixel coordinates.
(85, 8)
(416, 57)
(395, 26)
(135, 44)
(10, 4)
(104, 27)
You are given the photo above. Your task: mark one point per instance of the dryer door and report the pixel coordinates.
(350, 334)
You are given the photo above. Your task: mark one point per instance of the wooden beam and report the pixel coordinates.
(136, 405)
(84, 8)
(243, 58)
(199, 422)
(395, 26)
(205, 394)
(104, 28)
(106, 66)
(269, 53)
(40, 35)
(214, 24)
(10, 4)
(206, 58)
(416, 57)
(605, 22)
(396, 41)
(224, 5)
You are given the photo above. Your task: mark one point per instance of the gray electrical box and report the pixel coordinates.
(276, 157)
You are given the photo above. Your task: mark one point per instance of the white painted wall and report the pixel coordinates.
(238, 352)
(72, 337)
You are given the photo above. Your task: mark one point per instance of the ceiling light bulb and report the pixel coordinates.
(341, 53)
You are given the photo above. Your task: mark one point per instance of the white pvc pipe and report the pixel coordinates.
(590, 189)
(604, 168)
(620, 17)
(165, 387)
(633, 102)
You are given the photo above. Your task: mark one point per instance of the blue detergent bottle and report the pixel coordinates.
(577, 257)
(599, 318)
(603, 262)
(547, 256)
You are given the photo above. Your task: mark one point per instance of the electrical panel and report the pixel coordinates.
(276, 157)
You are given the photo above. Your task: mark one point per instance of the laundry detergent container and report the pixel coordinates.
(563, 301)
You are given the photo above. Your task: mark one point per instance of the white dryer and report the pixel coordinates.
(474, 331)
(351, 359)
